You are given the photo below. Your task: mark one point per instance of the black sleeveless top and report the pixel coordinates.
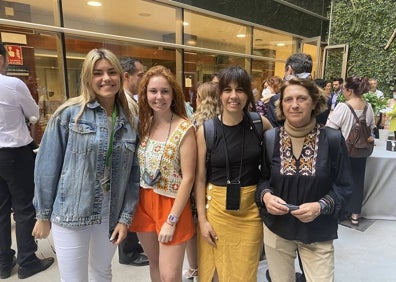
(217, 173)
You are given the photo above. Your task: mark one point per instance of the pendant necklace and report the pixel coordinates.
(152, 179)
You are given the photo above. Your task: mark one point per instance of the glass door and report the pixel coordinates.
(335, 59)
(312, 46)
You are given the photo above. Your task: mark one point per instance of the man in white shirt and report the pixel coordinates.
(130, 251)
(17, 176)
(373, 88)
(133, 73)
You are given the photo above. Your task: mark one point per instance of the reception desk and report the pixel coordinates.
(379, 200)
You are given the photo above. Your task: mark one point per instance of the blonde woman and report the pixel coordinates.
(207, 103)
(86, 173)
(207, 108)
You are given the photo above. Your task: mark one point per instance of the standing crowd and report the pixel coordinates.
(125, 164)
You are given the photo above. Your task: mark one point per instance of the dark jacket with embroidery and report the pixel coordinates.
(318, 172)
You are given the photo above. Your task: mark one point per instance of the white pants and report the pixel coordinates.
(85, 252)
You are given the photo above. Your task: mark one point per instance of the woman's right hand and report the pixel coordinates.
(208, 232)
(274, 204)
(41, 229)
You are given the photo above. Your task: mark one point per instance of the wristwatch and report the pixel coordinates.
(172, 219)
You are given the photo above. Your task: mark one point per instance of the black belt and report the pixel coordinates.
(18, 148)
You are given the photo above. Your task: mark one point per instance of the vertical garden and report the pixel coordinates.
(367, 26)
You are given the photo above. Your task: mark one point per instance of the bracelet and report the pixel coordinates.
(326, 205)
(167, 222)
(172, 219)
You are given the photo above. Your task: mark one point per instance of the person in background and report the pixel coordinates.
(337, 91)
(343, 119)
(129, 250)
(324, 90)
(327, 88)
(307, 167)
(272, 88)
(373, 88)
(215, 77)
(133, 71)
(230, 237)
(261, 108)
(87, 173)
(167, 157)
(297, 65)
(16, 176)
(207, 107)
(391, 115)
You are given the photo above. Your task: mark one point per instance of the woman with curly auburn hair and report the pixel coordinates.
(167, 157)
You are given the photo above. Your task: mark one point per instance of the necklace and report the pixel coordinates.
(152, 179)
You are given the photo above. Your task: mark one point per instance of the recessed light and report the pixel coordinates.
(186, 23)
(280, 44)
(94, 3)
(241, 35)
(143, 14)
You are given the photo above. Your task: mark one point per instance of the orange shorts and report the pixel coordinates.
(152, 212)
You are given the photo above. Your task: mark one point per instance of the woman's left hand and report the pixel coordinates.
(119, 234)
(307, 212)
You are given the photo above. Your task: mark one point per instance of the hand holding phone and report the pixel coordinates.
(113, 239)
(291, 207)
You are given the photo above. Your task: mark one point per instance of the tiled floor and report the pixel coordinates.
(360, 256)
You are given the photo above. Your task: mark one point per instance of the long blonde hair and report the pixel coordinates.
(208, 94)
(87, 93)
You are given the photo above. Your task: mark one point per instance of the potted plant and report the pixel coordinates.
(377, 104)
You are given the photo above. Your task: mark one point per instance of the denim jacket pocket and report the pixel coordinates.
(82, 136)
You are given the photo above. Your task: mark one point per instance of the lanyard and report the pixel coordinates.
(238, 179)
(110, 149)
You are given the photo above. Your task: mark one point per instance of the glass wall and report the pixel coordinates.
(208, 32)
(192, 43)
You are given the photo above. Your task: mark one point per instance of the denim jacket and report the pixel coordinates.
(71, 162)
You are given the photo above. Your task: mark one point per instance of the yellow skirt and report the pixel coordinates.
(240, 236)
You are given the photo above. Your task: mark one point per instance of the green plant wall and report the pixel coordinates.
(366, 25)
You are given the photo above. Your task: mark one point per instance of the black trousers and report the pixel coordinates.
(358, 166)
(129, 248)
(16, 193)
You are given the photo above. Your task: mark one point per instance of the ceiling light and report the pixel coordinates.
(241, 35)
(280, 44)
(191, 42)
(186, 23)
(94, 3)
